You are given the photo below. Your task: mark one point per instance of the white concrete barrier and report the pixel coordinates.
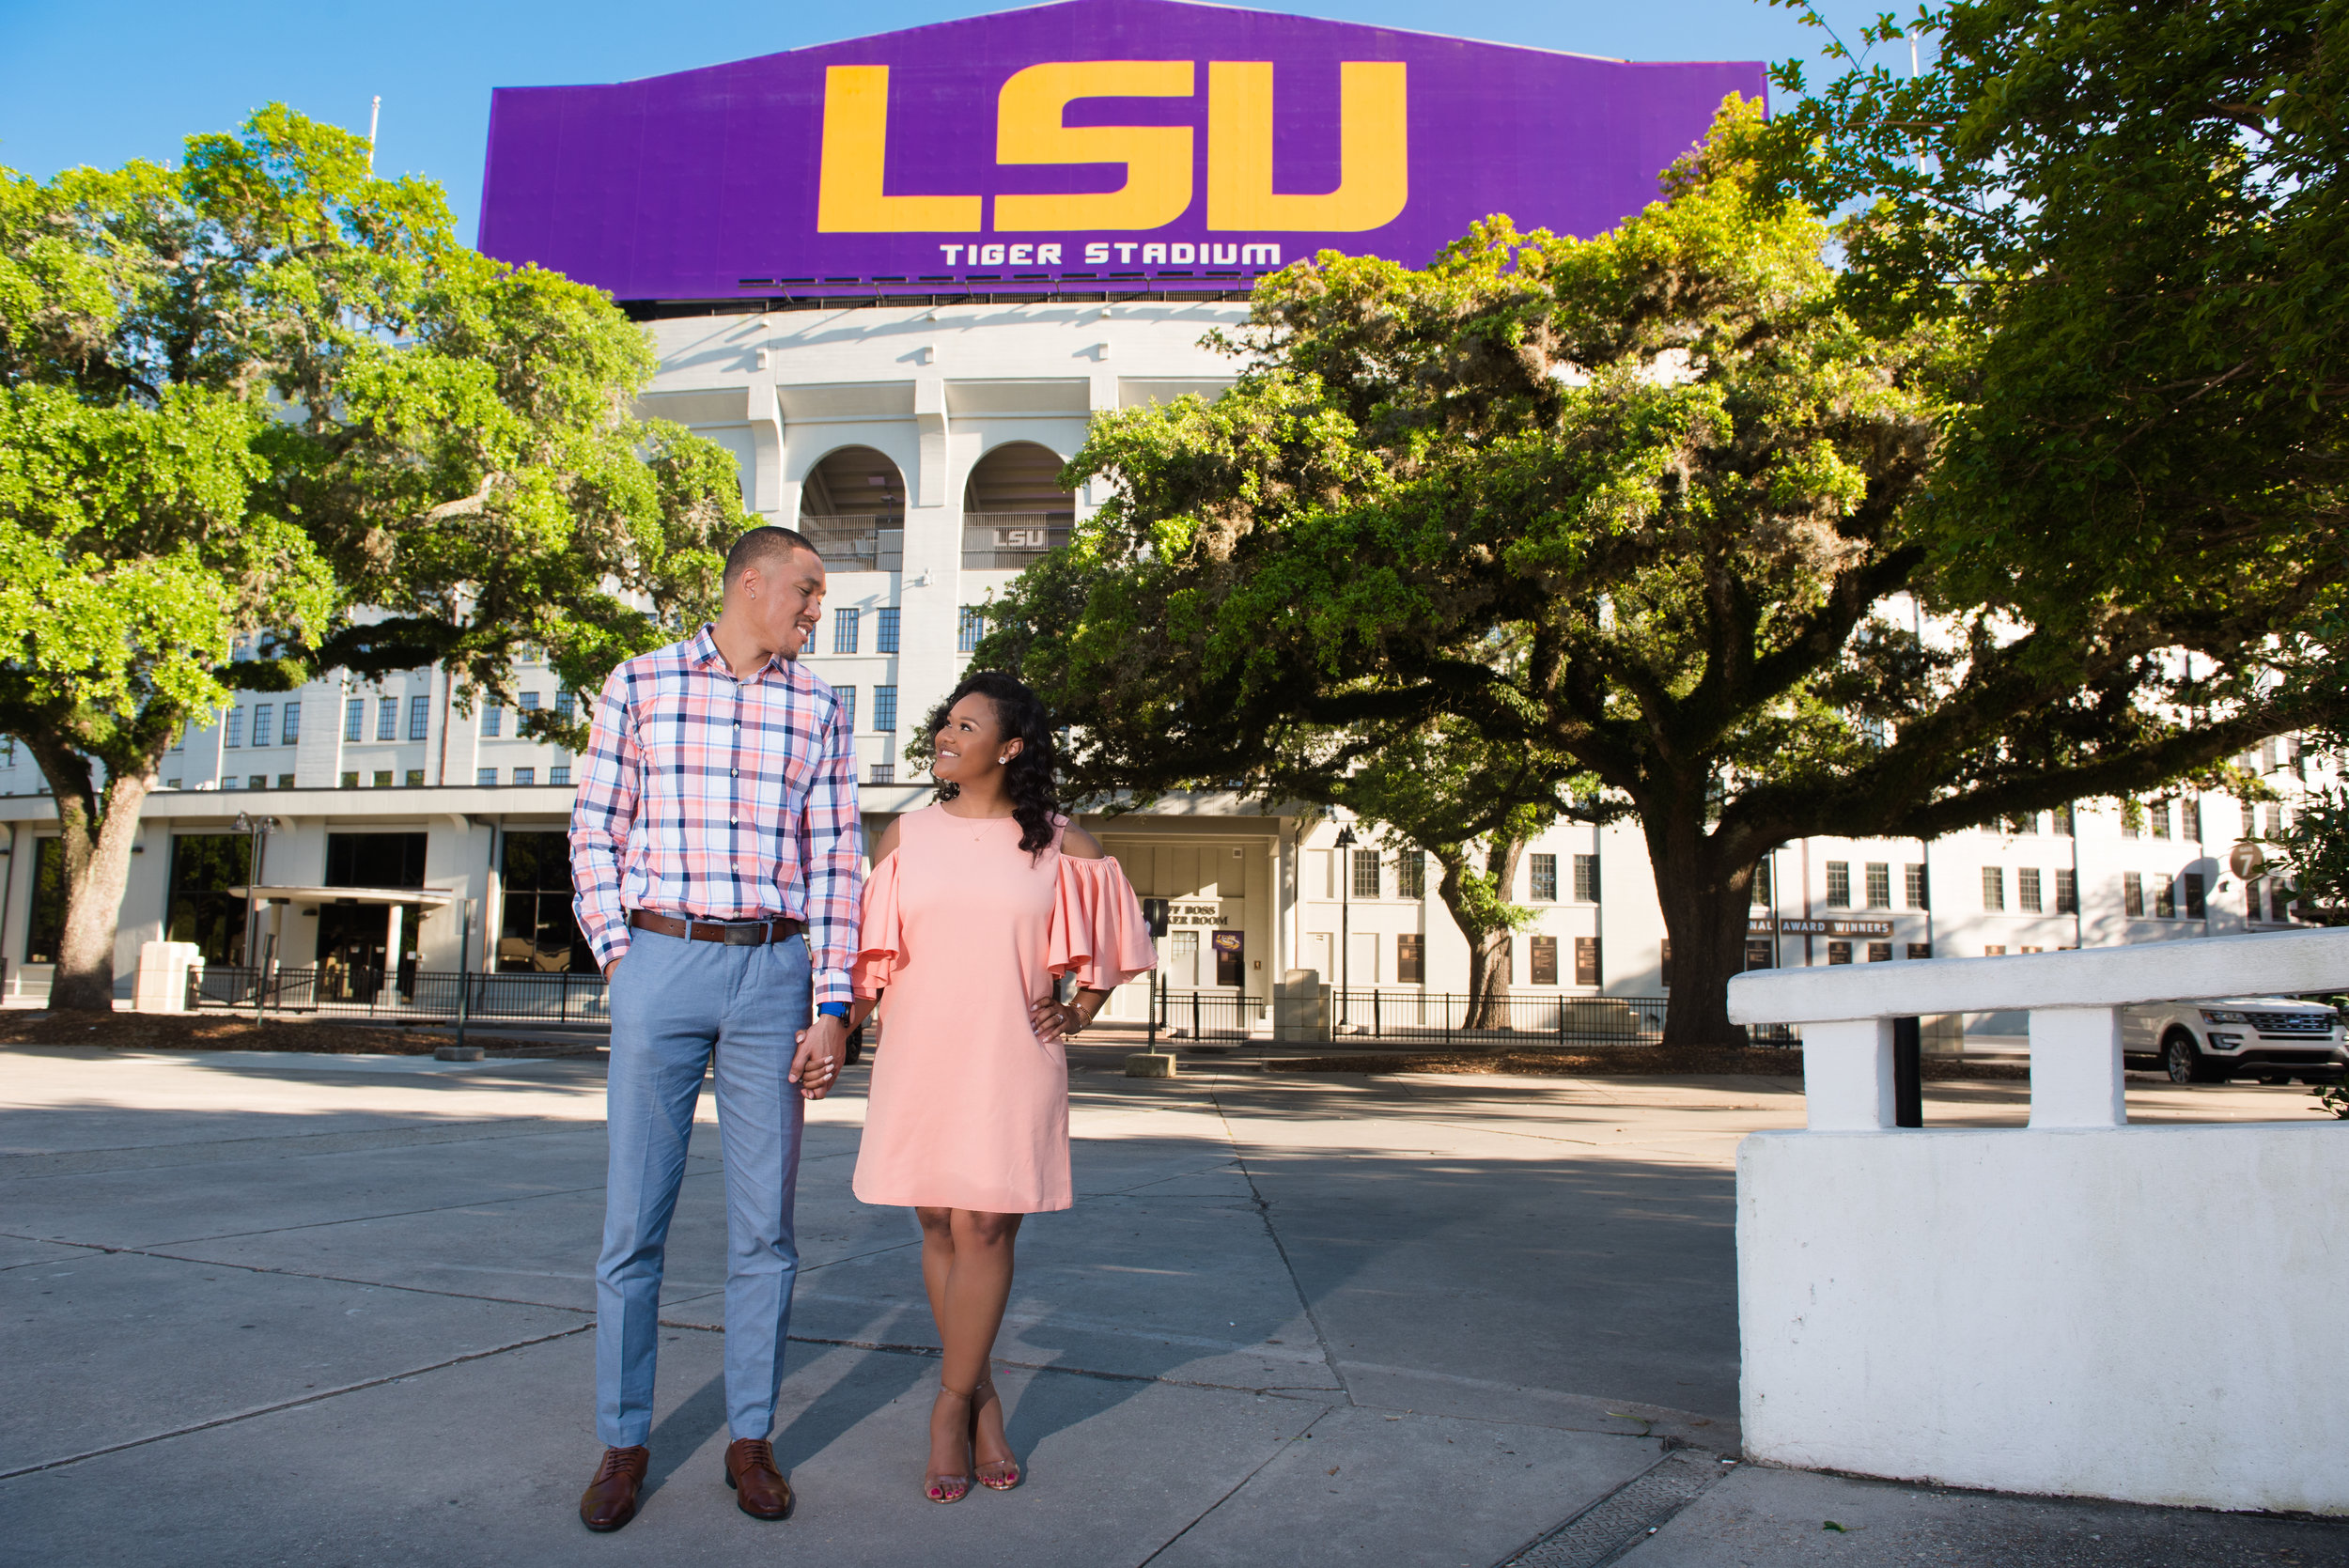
(161, 983)
(2079, 1307)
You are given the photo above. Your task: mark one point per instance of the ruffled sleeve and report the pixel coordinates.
(1098, 928)
(881, 938)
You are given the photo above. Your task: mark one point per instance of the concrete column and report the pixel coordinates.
(1847, 1075)
(395, 941)
(2075, 1067)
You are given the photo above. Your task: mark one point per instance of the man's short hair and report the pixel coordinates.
(760, 547)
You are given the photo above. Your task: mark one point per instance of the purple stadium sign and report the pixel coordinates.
(1091, 144)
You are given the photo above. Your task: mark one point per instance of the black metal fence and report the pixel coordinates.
(1511, 1018)
(1207, 1015)
(530, 998)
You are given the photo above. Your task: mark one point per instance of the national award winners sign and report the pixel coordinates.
(1092, 144)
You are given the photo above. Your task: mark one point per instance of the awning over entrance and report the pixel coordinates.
(407, 899)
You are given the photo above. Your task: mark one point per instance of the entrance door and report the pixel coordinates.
(351, 951)
(1231, 967)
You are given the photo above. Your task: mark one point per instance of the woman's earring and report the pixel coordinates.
(1003, 762)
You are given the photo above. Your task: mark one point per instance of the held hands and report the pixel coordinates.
(822, 1045)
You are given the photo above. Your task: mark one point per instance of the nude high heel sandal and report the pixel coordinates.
(943, 1487)
(996, 1475)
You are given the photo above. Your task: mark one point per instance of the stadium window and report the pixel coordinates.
(1920, 889)
(559, 774)
(285, 780)
(1366, 877)
(2063, 821)
(492, 720)
(883, 772)
(264, 721)
(1586, 879)
(846, 695)
(1879, 885)
(967, 634)
(525, 775)
(2165, 899)
(415, 778)
(486, 778)
(1839, 884)
(529, 702)
(2190, 818)
(2197, 897)
(382, 779)
(354, 718)
(387, 718)
(1410, 874)
(2067, 892)
(2157, 817)
(564, 705)
(292, 731)
(844, 630)
(1994, 887)
(2132, 894)
(885, 709)
(1545, 882)
(236, 726)
(885, 629)
(2026, 888)
(350, 781)
(419, 717)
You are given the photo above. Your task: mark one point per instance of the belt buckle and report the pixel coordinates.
(744, 936)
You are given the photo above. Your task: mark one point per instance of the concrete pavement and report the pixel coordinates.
(336, 1311)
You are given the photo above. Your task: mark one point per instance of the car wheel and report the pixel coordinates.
(2187, 1065)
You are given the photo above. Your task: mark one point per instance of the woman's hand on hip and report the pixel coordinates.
(1053, 1020)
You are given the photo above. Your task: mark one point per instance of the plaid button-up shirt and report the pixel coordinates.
(721, 797)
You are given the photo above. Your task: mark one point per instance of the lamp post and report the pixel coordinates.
(258, 830)
(1345, 912)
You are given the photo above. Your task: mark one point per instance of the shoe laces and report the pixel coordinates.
(616, 1461)
(757, 1451)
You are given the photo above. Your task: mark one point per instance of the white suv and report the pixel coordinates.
(2270, 1038)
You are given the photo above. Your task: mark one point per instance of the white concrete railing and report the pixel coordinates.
(1846, 1012)
(2081, 1307)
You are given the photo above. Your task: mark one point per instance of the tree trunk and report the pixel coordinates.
(1477, 910)
(1707, 905)
(96, 827)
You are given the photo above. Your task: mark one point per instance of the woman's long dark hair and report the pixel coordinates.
(1028, 778)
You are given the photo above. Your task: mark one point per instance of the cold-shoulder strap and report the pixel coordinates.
(1097, 929)
(880, 937)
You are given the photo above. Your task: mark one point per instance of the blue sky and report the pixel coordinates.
(104, 81)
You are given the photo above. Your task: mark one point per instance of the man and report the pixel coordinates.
(716, 853)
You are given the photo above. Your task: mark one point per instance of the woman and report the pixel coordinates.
(976, 905)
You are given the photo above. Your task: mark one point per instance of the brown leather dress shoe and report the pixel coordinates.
(609, 1501)
(759, 1489)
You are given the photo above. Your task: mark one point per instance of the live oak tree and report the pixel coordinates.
(1651, 502)
(261, 416)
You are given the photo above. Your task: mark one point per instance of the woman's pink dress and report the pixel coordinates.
(962, 930)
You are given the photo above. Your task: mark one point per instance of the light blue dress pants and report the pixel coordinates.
(676, 1005)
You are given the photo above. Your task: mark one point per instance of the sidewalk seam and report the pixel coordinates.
(1263, 1212)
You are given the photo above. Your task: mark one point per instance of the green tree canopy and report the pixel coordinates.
(261, 416)
(1649, 503)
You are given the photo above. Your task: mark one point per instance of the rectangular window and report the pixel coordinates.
(2274, 818)
(968, 630)
(2131, 893)
(1762, 885)
(354, 718)
(1839, 884)
(415, 778)
(2067, 892)
(2196, 897)
(525, 775)
(2190, 818)
(844, 630)
(387, 718)
(1367, 874)
(285, 780)
(2250, 820)
(2023, 822)
(1586, 965)
(564, 705)
(1997, 951)
(2267, 755)
(486, 778)
(847, 707)
(529, 701)
(1411, 876)
(264, 721)
(380, 778)
(1545, 882)
(537, 929)
(559, 774)
(2026, 888)
(885, 630)
(2157, 817)
(885, 709)
(350, 781)
(2165, 899)
(1838, 953)
(1919, 890)
(883, 772)
(292, 730)
(1586, 879)
(2062, 817)
(1545, 957)
(1994, 887)
(492, 721)
(236, 726)
(46, 928)
(1879, 885)
(1879, 953)
(1921, 950)
(1410, 959)
(260, 781)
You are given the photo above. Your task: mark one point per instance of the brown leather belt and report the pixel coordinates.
(734, 933)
